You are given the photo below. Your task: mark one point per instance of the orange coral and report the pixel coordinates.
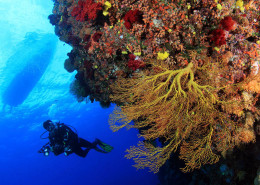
(253, 85)
(246, 136)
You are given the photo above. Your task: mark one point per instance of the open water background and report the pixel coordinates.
(49, 98)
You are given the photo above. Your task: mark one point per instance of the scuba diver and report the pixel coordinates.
(63, 140)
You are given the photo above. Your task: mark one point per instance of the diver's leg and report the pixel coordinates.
(87, 144)
(80, 152)
(103, 147)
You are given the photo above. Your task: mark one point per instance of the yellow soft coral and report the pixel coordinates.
(162, 56)
(172, 105)
(107, 5)
(240, 5)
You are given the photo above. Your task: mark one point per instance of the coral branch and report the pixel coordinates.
(171, 105)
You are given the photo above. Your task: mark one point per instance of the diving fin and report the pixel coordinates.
(106, 148)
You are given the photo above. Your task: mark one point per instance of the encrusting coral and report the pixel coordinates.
(185, 73)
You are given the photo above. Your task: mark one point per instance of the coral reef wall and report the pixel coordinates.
(183, 72)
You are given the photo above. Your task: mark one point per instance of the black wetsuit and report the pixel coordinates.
(63, 139)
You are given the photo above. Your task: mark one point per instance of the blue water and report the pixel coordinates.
(49, 98)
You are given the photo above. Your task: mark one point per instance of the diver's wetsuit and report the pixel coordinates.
(63, 139)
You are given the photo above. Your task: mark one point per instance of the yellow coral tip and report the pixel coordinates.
(162, 56)
(188, 6)
(137, 53)
(107, 4)
(169, 30)
(61, 19)
(105, 13)
(219, 7)
(124, 52)
(194, 33)
(216, 48)
(110, 26)
(258, 42)
(216, 1)
(239, 3)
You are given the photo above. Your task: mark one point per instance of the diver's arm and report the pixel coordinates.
(44, 148)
